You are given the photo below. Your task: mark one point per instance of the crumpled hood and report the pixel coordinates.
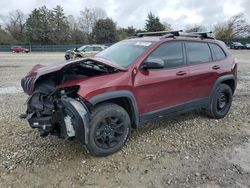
(40, 70)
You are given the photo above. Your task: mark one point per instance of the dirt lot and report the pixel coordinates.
(188, 151)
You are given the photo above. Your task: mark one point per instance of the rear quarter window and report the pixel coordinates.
(198, 53)
(219, 54)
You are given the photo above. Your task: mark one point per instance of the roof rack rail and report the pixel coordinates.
(160, 33)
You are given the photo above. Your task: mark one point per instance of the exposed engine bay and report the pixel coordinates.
(60, 111)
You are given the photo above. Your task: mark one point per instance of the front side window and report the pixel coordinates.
(88, 49)
(218, 52)
(198, 53)
(171, 53)
(81, 48)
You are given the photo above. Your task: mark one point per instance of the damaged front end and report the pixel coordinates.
(60, 110)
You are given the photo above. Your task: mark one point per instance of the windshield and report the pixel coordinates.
(124, 53)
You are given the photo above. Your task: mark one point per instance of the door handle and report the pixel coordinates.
(181, 73)
(216, 67)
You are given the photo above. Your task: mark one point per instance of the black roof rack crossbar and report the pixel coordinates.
(204, 35)
(168, 34)
(159, 33)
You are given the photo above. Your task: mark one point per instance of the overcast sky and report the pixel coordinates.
(134, 12)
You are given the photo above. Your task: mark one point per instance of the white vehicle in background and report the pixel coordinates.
(84, 51)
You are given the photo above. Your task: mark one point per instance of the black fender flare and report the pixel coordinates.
(219, 81)
(118, 94)
(81, 113)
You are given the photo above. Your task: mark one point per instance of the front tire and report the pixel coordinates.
(110, 128)
(67, 57)
(221, 102)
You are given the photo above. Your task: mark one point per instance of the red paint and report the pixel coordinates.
(19, 49)
(153, 89)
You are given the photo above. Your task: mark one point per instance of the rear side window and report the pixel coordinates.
(171, 53)
(198, 52)
(218, 52)
(97, 49)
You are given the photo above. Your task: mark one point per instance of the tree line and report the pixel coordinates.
(53, 26)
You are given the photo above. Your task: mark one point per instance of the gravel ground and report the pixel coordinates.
(188, 151)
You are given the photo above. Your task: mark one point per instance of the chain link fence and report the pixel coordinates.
(63, 48)
(42, 48)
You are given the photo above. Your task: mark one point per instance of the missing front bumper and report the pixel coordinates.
(69, 119)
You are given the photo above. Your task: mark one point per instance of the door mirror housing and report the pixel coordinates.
(152, 64)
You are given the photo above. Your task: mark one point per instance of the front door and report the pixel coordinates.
(163, 88)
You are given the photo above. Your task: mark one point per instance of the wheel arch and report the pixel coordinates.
(229, 80)
(122, 98)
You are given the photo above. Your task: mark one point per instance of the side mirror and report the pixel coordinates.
(153, 64)
(76, 49)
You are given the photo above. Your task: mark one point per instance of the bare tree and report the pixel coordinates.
(73, 24)
(239, 25)
(76, 35)
(15, 25)
(194, 28)
(235, 27)
(167, 26)
(89, 17)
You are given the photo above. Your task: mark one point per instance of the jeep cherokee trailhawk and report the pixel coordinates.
(99, 100)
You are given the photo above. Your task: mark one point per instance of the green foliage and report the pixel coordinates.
(153, 23)
(104, 31)
(123, 33)
(76, 36)
(60, 26)
(47, 26)
(39, 26)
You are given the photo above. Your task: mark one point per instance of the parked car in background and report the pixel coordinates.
(247, 46)
(98, 100)
(17, 49)
(84, 51)
(236, 45)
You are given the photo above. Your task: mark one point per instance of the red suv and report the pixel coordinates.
(17, 49)
(98, 100)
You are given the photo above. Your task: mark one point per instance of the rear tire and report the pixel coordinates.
(221, 102)
(109, 129)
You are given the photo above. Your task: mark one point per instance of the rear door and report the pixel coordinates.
(203, 69)
(163, 88)
(88, 52)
